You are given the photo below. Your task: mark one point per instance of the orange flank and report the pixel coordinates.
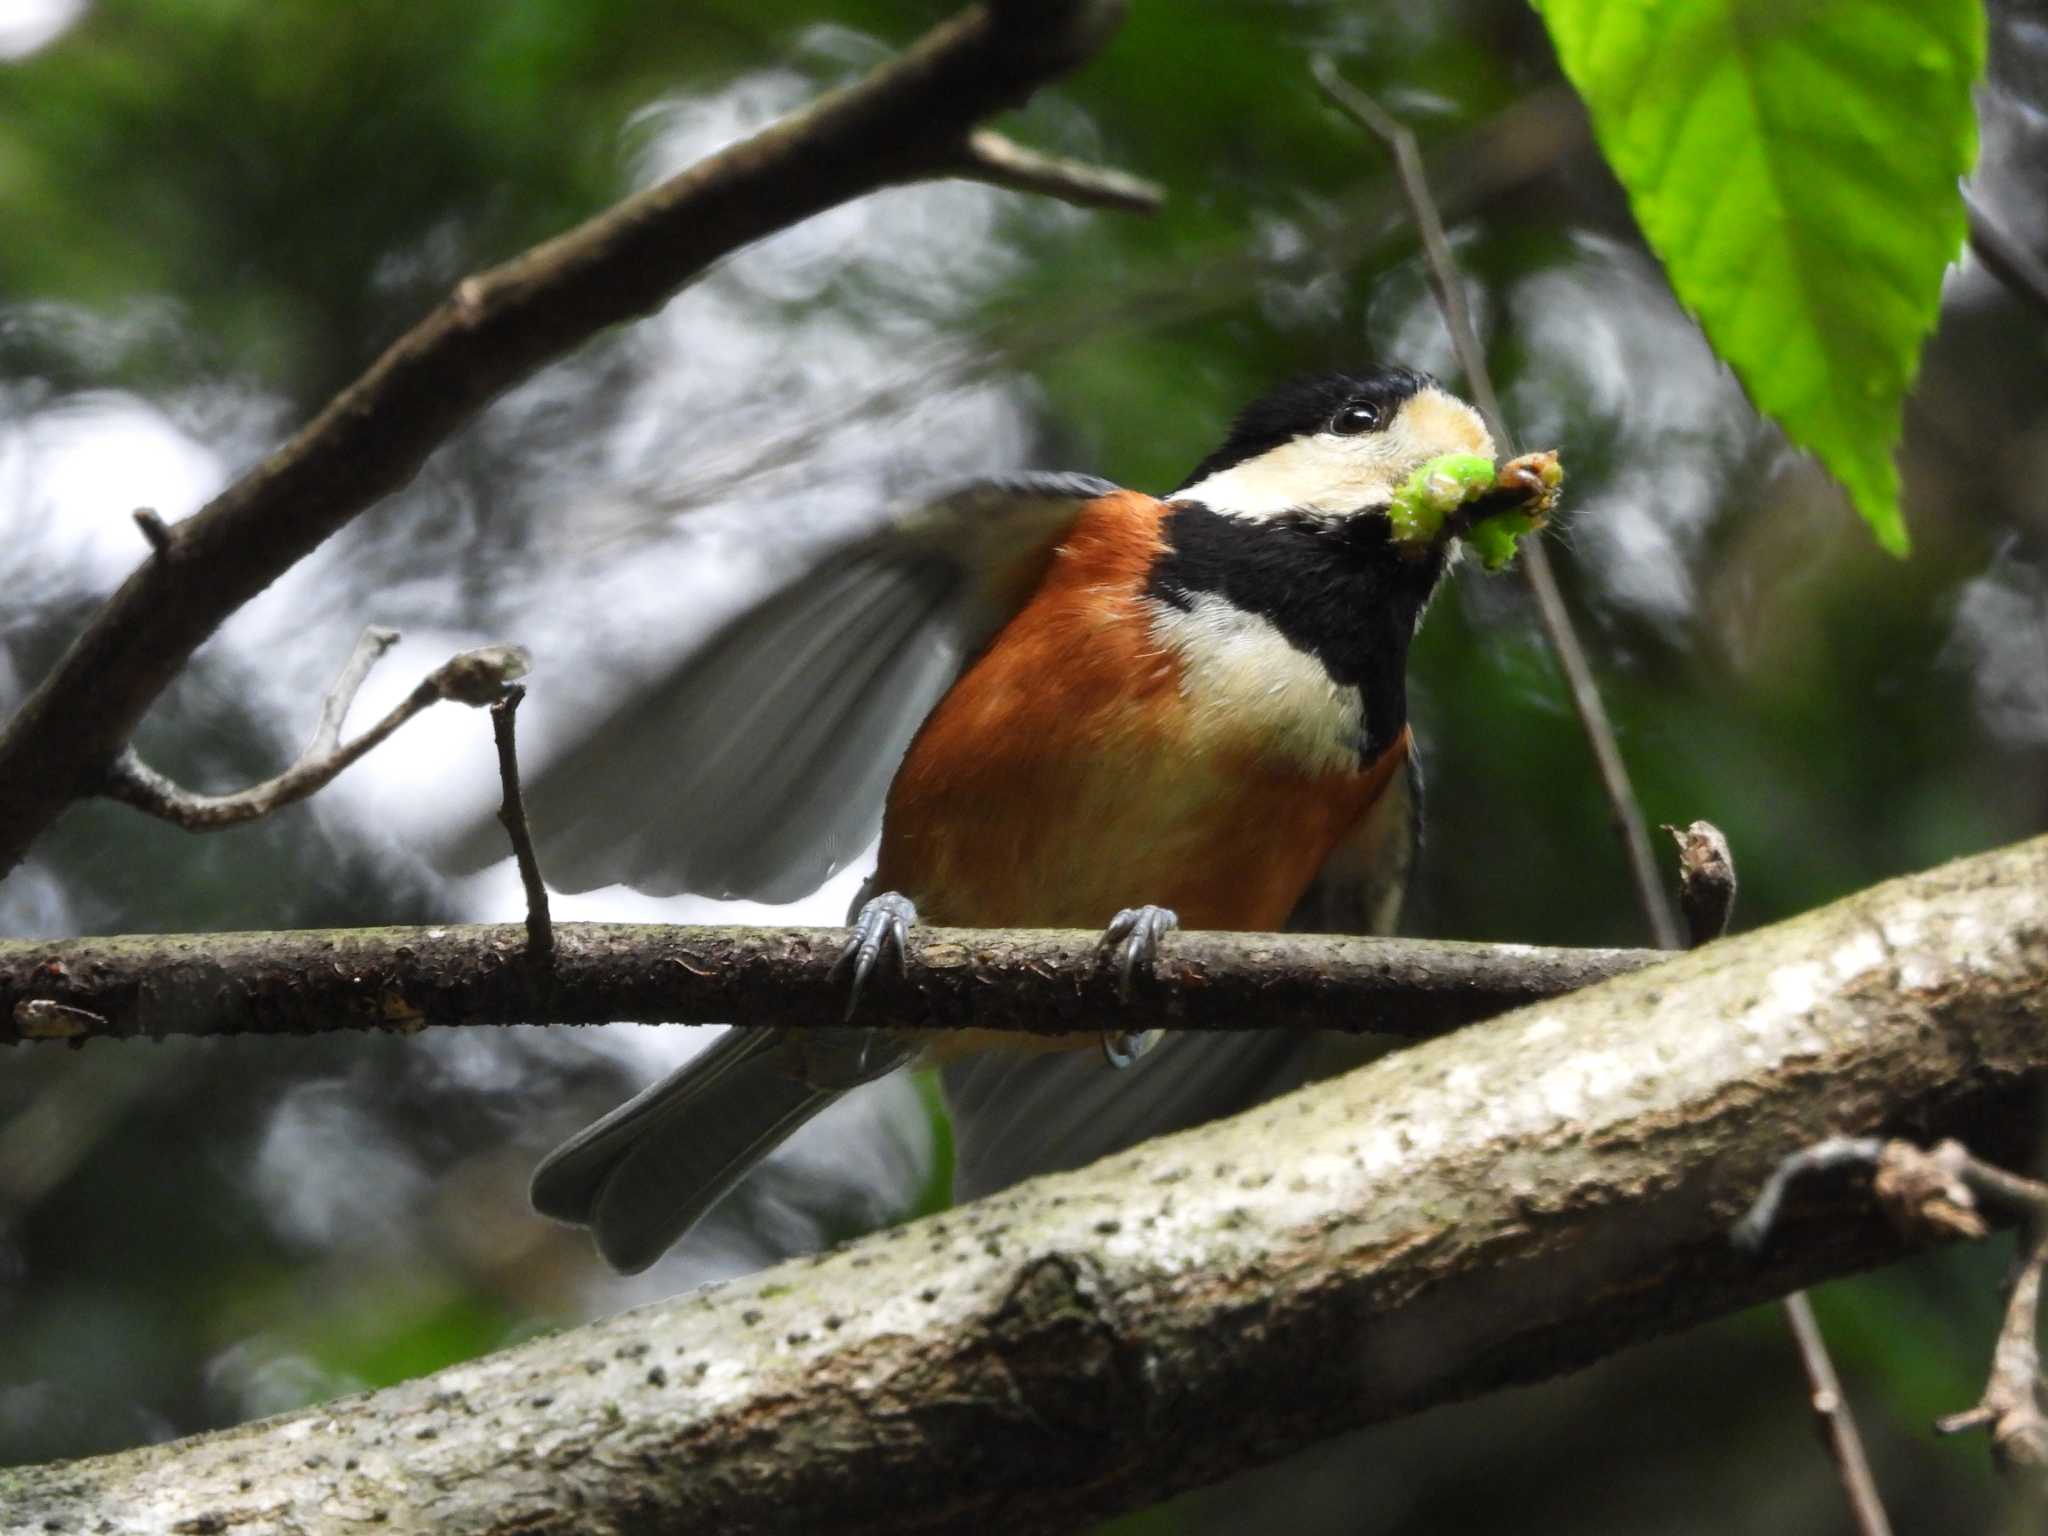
(1025, 802)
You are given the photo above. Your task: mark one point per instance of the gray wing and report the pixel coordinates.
(757, 765)
(1014, 1117)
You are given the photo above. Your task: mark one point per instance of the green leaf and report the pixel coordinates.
(1795, 164)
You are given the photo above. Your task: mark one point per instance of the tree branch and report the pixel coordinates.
(906, 121)
(1049, 982)
(475, 678)
(1513, 1201)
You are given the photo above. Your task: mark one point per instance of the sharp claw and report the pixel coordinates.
(1134, 935)
(1126, 967)
(884, 921)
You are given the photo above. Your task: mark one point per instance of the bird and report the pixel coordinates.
(1076, 705)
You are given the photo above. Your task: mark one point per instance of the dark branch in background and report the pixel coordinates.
(475, 678)
(1706, 894)
(1534, 558)
(2006, 258)
(540, 927)
(1043, 981)
(1515, 1200)
(908, 121)
(1941, 1194)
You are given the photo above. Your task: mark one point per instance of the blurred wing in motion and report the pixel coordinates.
(757, 766)
(1018, 1116)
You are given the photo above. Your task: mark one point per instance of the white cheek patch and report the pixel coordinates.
(1338, 476)
(1245, 686)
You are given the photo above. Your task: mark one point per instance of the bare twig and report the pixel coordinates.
(2011, 1404)
(1937, 1194)
(2005, 257)
(474, 677)
(1002, 162)
(905, 122)
(1706, 880)
(1535, 560)
(1837, 1425)
(1706, 893)
(154, 528)
(1030, 980)
(540, 929)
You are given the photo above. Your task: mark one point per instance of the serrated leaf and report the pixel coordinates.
(1795, 164)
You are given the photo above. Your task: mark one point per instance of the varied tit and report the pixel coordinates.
(1089, 707)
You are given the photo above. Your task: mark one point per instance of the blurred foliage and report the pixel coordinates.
(220, 211)
(1796, 167)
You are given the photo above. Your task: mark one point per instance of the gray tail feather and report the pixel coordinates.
(1017, 1116)
(647, 1172)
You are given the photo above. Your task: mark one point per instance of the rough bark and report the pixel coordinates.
(360, 978)
(912, 118)
(1493, 1207)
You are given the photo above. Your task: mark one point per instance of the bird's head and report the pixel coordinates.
(1387, 449)
(1334, 445)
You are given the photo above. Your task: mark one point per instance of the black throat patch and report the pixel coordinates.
(1338, 591)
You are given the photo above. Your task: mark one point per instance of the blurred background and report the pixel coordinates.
(216, 214)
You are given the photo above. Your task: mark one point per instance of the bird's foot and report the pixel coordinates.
(884, 923)
(1132, 939)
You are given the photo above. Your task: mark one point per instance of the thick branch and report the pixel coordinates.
(304, 983)
(475, 678)
(1513, 1201)
(905, 121)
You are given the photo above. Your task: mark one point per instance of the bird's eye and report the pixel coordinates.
(1359, 416)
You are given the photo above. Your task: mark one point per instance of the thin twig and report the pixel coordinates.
(2011, 1405)
(540, 928)
(1833, 1419)
(1706, 893)
(2004, 256)
(1001, 161)
(1042, 981)
(474, 677)
(1938, 1194)
(1535, 560)
(154, 528)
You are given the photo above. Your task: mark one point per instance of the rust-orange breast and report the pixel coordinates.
(1063, 775)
